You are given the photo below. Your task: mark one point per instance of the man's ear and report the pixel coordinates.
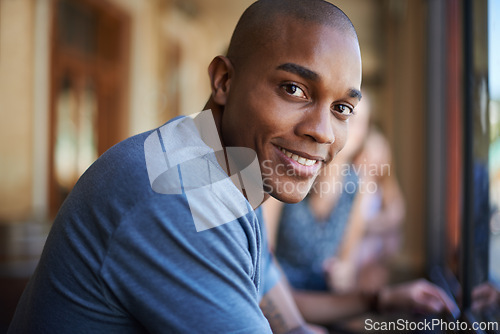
(221, 73)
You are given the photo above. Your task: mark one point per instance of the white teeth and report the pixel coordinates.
(288, 154)
(299, 159)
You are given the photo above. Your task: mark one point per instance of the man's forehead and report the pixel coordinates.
(302, 38)
(307, 51)
(286, 22)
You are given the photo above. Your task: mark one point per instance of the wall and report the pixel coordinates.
(16, 108)
(404, 118)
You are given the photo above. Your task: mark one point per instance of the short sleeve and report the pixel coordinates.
(270, 272)
(173, 279)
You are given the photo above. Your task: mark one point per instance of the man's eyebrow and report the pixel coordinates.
(299, 70)
(355, 93)
(311, 75)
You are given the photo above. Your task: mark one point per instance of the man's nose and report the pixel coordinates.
(317, 124)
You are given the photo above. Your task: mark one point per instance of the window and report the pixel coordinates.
(494, 145)
(464, 151)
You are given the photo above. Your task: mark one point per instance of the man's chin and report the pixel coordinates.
(286, 190)
(290, 198)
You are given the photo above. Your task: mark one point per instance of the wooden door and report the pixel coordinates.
(90, 52)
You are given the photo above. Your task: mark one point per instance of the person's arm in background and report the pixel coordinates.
(485, 296)
(419, 296)
(392, 212)
(341, 270)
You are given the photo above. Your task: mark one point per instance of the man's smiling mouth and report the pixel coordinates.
(301, 160)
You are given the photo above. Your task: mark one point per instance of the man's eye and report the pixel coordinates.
(294, 90)
(343, 109)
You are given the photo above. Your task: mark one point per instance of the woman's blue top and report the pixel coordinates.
(304, 243)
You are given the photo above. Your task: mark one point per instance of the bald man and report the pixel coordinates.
(163, 233)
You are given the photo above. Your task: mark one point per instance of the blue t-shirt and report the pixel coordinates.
(123, 258)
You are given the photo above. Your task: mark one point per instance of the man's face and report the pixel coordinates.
(291, 104)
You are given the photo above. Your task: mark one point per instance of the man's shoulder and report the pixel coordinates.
(125, 162)
(171, 170)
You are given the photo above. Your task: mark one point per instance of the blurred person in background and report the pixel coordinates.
(333, 246)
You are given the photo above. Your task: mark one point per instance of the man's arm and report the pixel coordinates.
(283, 315)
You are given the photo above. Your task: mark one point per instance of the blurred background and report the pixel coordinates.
(78, 76)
